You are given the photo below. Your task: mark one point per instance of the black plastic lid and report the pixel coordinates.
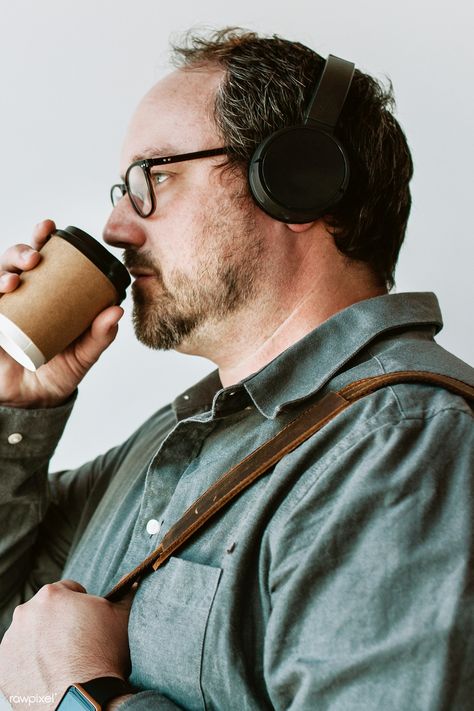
(100, 256)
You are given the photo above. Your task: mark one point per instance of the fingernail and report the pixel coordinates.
(117, 319)
(26, 254)
(3, 280)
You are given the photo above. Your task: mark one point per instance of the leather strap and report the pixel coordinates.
(267, 455)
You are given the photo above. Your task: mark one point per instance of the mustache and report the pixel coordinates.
(139, 260)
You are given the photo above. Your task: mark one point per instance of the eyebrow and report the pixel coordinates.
(156, 152)
(162, 151)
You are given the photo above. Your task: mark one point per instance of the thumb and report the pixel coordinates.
(71, 585)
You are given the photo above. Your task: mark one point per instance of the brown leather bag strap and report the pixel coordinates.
(266, 456)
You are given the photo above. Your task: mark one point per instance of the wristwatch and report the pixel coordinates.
(93, 695)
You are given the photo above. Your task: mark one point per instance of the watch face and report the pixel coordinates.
(73, 700)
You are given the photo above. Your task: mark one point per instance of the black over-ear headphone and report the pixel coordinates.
(299, 172)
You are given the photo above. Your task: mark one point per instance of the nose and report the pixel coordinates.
(123, 228)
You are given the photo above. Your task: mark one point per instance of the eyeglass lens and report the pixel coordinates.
(116, 194)
(138, 189)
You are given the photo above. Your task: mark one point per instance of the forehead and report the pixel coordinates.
(175, 116)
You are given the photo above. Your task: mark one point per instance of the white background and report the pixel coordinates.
(71, 74)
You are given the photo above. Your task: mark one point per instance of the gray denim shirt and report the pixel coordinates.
(341, 580)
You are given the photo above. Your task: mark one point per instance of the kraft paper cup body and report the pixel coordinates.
(54, 303)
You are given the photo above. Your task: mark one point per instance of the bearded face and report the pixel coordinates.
(221, 277)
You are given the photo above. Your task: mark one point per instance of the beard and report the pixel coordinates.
(169, 309)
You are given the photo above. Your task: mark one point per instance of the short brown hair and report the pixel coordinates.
(267, 86)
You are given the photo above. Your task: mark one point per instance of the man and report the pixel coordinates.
(341, 579)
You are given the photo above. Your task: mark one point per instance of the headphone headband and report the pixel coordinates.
(330, 94)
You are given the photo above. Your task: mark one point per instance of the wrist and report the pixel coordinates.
(104, 693)
(39, 403)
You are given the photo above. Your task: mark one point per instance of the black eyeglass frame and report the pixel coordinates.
(147, 163)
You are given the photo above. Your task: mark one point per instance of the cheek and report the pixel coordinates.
(175, 240)
(183, 233)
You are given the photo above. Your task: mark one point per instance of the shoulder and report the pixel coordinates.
(410, 351)
(405, 440)
(388, 482)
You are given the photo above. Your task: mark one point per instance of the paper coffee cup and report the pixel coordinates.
(55, 302)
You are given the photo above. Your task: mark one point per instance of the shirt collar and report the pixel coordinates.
(198, 398)
(310, 363)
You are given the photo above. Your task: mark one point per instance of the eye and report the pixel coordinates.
(158, 178)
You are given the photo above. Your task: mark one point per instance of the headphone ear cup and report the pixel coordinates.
(298, 173)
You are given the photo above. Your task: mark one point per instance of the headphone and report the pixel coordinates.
(299, 172)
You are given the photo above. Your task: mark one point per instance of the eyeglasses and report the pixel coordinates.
(139, 181)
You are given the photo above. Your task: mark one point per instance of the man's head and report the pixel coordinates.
(208, 248)
(267, 85)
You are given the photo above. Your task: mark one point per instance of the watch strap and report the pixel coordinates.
(105, 688)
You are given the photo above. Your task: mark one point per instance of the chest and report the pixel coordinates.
(197, 624)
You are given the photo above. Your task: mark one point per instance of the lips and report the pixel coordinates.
(138, 273)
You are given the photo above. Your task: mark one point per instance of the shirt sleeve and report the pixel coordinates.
(148, 701)
(28, 439)
(371, 581)
(39, 512)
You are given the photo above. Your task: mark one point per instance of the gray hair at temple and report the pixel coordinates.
(267, 85)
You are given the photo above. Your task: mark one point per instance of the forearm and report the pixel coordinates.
(27, 441)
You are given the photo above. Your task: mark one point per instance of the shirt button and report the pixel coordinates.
(14, 438)
(153, 526)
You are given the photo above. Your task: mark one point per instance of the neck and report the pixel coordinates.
(289, 306)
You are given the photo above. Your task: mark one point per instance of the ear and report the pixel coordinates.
(300, 228)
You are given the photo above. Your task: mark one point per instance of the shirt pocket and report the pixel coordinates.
(167, 627)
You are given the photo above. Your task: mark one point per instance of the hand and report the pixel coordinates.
(59, 637)
(54, 382)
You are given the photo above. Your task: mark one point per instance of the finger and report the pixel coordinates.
(106, 320)
(19, 258)
(8, 282)
(71, 585)
(41, 233)
(98, 337)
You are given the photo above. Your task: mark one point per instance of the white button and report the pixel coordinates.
(15, 438)
(185, 397)
(153, 526)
